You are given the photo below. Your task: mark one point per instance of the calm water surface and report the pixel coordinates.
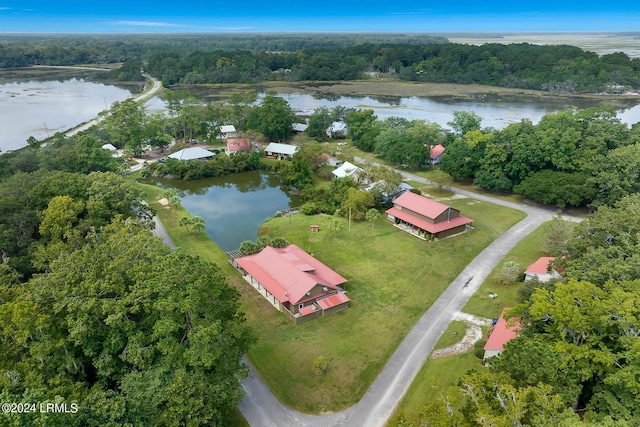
(496, 111)
(40, 108)
(233, 206)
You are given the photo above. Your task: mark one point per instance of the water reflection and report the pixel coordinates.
(234, 206)
(40, 108)
(497, 111)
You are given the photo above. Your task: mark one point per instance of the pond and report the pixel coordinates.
(233, 206)
(42, 107)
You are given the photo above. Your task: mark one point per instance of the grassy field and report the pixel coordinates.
(447, 371)
(393, 279)
(442, 372)
(525, 253)
(452, 335)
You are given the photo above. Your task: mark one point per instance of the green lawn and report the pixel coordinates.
(442, 372)
(393, 278)
(452, 335)
(525, 253)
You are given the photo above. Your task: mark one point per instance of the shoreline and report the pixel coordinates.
(405, 89)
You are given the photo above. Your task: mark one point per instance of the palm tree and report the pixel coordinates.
(185, 222)
(172, 197)
(372, 216)
(335, 225)
(248, 248)
(278, 242)
(197, 224)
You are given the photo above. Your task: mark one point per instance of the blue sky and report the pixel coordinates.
(161, 16)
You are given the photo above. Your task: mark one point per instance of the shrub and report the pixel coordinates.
(478, 349)
(319, 365)
(309, 208)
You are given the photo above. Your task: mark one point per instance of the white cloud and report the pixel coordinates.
(144, 23)
(234, 28)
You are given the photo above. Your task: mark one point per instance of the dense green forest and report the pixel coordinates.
(190, 59)
(65, 49)
(97, 313)
(569, 158)
(561, 69)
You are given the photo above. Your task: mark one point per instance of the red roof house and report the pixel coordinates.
(502, 333)
(541, 270)
(435, 154)
(237, 145)
(425, 217)
(294, 281)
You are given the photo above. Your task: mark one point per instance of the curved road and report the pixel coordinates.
(156, 85)
(261, 408)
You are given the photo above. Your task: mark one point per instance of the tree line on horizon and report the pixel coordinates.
(557, 69)
(208, 59)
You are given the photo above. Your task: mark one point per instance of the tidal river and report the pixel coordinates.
(40, 108)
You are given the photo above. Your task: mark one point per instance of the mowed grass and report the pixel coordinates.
(435, 376)
(393, 279)
(525, 253)
(454, 333)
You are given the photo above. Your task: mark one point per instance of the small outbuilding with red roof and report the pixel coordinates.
(294, 282)
(542, 270)
(503, 332)
(238, 145)
(435, 154)
(426, 218)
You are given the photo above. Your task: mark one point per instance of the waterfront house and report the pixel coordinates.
(435, 154)
(337, 130)
(238, 145)
(294, 282)
(280, 151)
(192, 153)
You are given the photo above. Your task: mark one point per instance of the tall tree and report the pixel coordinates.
(273, 118)
(123, 322)
(465, 121)
(319, 122)
(595, 331)
(364, 127)
(606, 246)
(126, 124)
(616, 175)
(357, 204)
